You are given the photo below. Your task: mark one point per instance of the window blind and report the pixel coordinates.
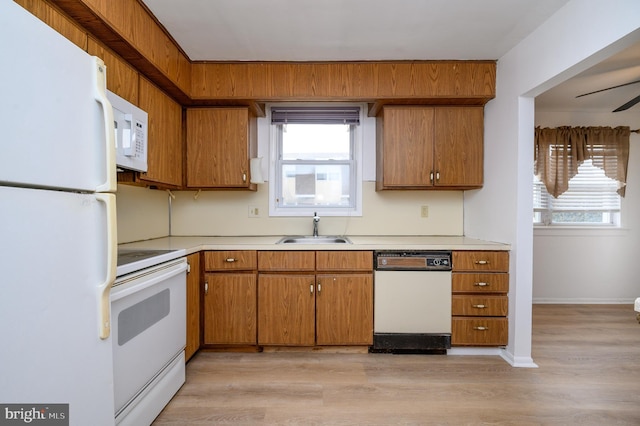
(589, 190)
(315, 115)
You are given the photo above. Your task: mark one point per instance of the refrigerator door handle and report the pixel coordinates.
(100, 94)
(104, 289)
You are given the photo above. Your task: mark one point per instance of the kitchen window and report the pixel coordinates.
(317, 166)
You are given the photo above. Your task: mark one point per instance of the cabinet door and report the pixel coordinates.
(193, 305)
(230, 309)
(218, 148)
(404, 147)
(286, 310)
(164, 155)
(344, 309)
(458, 146)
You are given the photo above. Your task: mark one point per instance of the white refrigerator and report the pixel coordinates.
(58, 244)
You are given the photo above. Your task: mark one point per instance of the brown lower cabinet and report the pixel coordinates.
(230, 309)
(315, 298)
(230, 297)
(193, 305)
(479, 304)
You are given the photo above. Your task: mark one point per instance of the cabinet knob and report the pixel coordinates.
(244, 176)
(319, 287)
(311, 288)
(437, 176)
(206, 288)
(431, 177)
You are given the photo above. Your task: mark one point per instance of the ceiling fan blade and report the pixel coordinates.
(608, 88)
(628, 105)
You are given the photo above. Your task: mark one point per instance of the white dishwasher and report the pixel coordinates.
(412, 302)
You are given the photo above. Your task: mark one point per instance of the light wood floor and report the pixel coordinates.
(589, 374)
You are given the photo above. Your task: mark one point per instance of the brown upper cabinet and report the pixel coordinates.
(164, 155)
(220, 143)
(423, 147)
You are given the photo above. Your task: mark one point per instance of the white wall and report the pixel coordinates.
(560, 48)
(592, 266)
(384, 213)
(142, 213)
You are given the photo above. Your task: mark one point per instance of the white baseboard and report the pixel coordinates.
(583, 301)
(520, 362)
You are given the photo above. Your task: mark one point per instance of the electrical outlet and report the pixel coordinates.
(424, 211)
(254, 211)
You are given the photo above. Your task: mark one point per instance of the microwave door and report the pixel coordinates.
(131, 132)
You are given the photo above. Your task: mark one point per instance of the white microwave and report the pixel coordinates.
(131, 134)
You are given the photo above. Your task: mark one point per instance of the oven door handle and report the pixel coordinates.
(144, 282)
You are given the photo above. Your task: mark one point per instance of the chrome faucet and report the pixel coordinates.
(316, 219)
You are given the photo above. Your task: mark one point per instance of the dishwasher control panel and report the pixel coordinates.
(408, 260)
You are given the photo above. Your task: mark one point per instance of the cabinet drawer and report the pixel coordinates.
(482, 306)
(344, 261)
(491, 261)
(479, 283)
(230, 260)
(480, 331)
(286, 261)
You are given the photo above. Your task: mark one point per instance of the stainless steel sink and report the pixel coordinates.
(300, 239)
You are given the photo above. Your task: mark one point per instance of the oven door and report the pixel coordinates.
(148, 310)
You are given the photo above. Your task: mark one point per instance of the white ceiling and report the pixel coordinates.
(350, 30)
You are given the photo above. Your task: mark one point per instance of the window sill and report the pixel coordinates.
(579, 231)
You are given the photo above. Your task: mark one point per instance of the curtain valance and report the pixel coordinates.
(559, 151)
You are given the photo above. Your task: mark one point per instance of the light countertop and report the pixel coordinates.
(369, 242)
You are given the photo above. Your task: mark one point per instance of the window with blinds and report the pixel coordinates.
(591, 199)
(316, 168)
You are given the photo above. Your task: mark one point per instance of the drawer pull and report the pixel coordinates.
(230, 260)
(479, 306)
(481, 328)
(311, 288)
(482, 262)
(481, 284)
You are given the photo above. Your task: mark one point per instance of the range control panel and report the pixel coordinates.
(413, 260)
